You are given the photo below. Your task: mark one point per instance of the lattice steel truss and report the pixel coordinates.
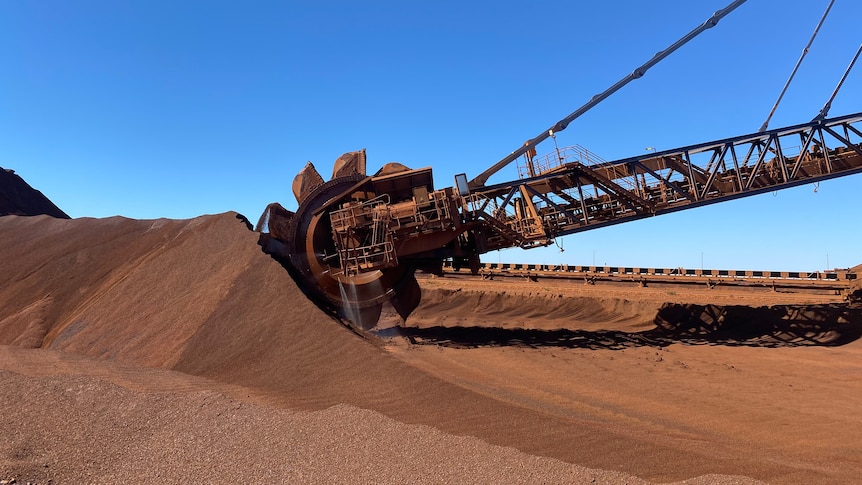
(573, 195)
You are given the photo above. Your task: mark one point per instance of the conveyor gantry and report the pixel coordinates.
(570, 194)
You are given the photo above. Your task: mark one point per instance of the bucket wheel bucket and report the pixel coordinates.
(311, 250)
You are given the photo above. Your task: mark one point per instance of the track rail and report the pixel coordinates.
(832, 281)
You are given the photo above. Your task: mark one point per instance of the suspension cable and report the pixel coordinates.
(561, 125)
(828, 105)
(798, 63)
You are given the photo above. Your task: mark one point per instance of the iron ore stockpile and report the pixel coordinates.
(177, 350)
(18, 198)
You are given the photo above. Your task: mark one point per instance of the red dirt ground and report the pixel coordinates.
(176, 349)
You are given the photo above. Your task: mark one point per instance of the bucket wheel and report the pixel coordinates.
(356, 298)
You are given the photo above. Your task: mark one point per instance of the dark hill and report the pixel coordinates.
(17, 198)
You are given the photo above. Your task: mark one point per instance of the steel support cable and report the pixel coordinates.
(826, 107)
(480, 179)
(796, 68)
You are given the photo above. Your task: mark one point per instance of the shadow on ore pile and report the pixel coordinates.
(779, 326)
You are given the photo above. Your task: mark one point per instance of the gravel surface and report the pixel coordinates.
(176, 350)
(77, 429)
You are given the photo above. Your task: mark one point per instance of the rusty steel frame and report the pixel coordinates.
(576, 196)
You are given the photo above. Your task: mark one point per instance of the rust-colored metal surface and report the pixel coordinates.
(356, 240)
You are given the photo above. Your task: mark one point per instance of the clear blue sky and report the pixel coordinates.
(156, 108)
